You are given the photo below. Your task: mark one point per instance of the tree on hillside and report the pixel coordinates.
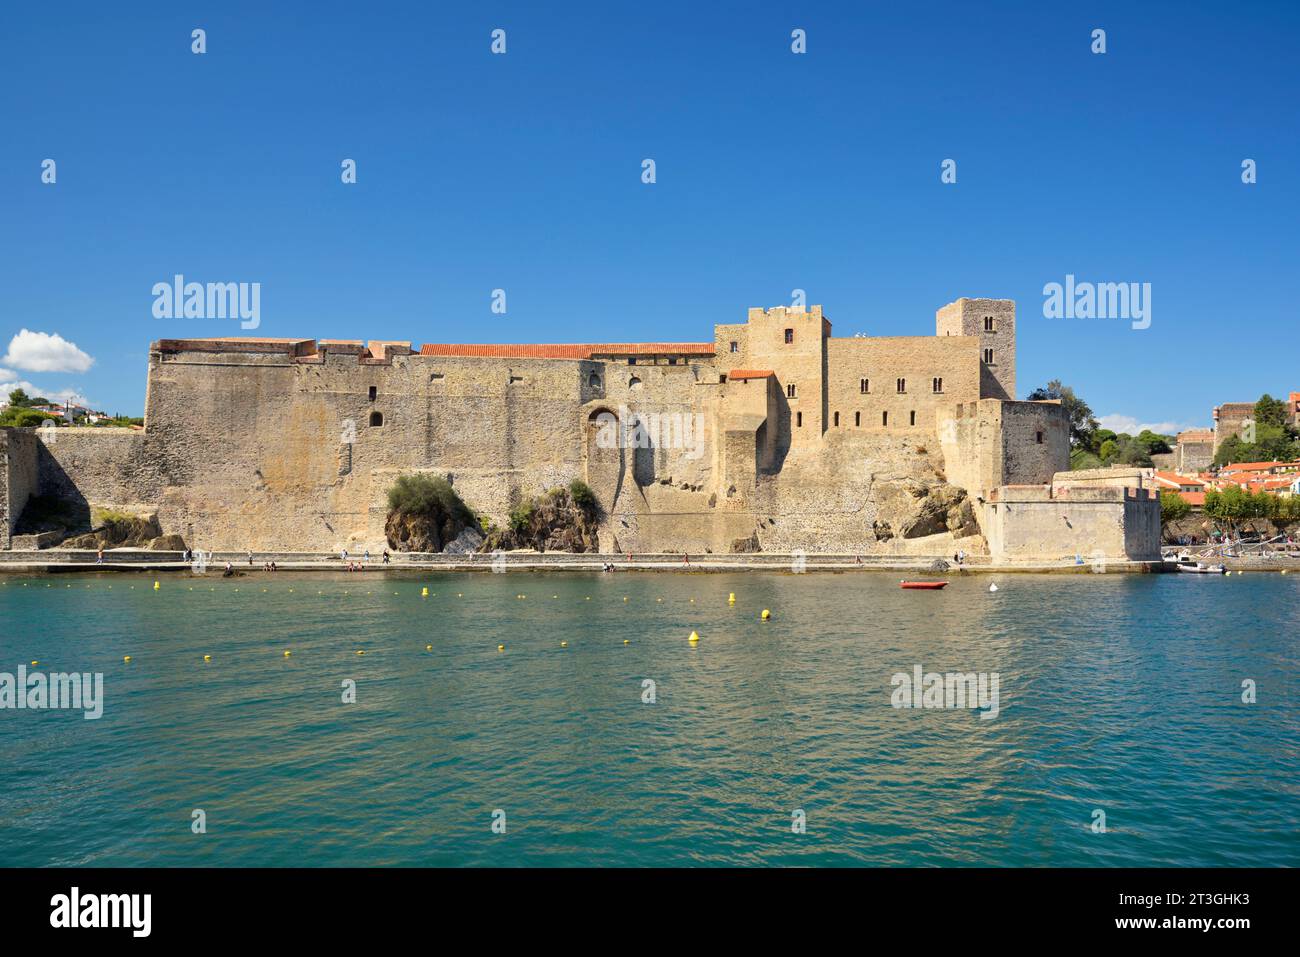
(1082, 422)
(1270, 411)
(1156, 444)
(18, 399)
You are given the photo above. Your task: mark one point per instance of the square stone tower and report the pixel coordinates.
(992, 322)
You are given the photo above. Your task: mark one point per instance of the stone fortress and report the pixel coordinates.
(776, 436)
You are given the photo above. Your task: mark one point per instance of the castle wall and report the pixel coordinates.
(1229, 420)
(882, 361)
(19, 478)
(292, 444)
(991, 443)
(1095, 524)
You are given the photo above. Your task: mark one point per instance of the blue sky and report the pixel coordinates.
(775, 171)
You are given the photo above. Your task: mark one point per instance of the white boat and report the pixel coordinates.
(1199, 568)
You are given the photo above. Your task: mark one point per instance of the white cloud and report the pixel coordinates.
(45, 352)
(8, 382)
(1126, 423)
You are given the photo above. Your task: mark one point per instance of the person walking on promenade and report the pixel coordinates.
(99, 557)
(385, 556)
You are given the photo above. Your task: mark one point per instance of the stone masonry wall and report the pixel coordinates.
(292, 444)
(18, 477)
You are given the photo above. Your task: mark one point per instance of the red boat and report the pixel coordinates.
(930, 585)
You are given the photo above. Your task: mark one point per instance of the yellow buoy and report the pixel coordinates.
(564, 644)
(428, 647)
(156, 586)
(694, 637)
(286, 654)
(207, 657)
(625, 597)
(424, 593)
(588, 598)
(501, 647)
(126, 658)
(626, 641)
(35, 663)
(766, 614)
(360, 652)
(659, 600)
(731, 598)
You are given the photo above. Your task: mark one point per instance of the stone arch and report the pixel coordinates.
(603, 447)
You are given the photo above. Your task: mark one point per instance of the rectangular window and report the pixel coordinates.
(722, 378)
(864, 386)
(988, 323)
(884, 418)
(373, 392)
(938, 384)
(837, 420)
(789, 390)
(789, 336)
(857, 419)
(913, 418)
(988, 357)
(672, 362)
(735, 347)
(631, 361)
(902, 385)
(1039, 436)
(798, 419)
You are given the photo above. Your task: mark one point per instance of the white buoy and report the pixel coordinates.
(993, 587)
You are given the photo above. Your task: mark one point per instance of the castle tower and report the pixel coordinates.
(792, 343)
(993, 323)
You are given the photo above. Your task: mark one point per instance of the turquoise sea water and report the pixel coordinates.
(1117, 692)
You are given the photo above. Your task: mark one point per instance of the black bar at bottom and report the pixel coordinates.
(210, 906)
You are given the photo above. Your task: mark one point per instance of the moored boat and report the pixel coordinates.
(930, 585)
(1199, 568)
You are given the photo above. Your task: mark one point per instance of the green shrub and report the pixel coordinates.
(24, 418)
(521, 516)
(583, 496)
(427, 494)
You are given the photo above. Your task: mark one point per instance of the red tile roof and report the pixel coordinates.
(567, 351)
(750, 373)
(1173, 478)
(1257, 466)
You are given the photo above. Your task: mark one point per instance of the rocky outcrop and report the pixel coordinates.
(910, 508)
(742, 546)
(552, 523)
(118, 530)
(431, 531)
